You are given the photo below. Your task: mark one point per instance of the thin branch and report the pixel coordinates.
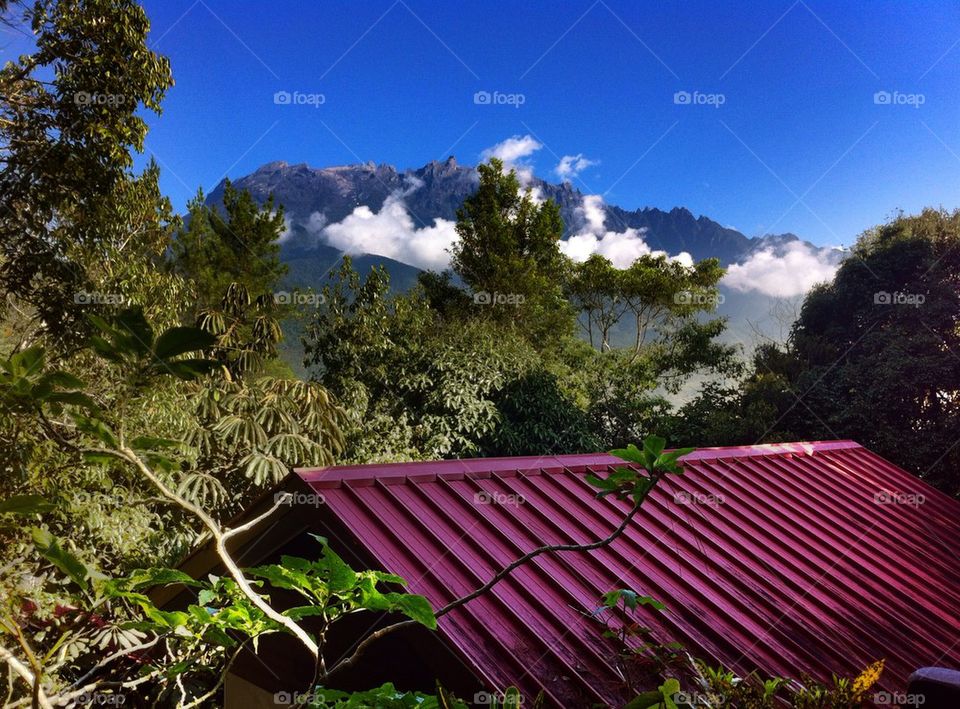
(115, 656)
(497, 578)
(284, 499)
(223, 676)
(39, 696)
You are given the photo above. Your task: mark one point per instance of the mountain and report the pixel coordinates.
(385, 207)
(437, 190)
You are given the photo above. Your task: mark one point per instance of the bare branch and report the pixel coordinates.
(220, 540)
(25, 673)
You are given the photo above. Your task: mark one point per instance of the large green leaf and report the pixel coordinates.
(180, 340)
(50, 549)
(96, 428)
(417, 608)
(26, 505)
(148, 578)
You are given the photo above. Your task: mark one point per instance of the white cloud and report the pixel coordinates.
(313, 225)
(512, 149)
(287, 229)
(572, 165)
(391, 233)
(622, 248)
(794, 271)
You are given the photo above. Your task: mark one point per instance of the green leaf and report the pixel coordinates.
(148, 578)
(298, 612)
(50, 549)
(185, 369)
(180, 340)
(417, 608)
(342, 577)
(631, 454)
(134, 332)
(654, 444)
(26, 505)
(96, 428)
(73, 398)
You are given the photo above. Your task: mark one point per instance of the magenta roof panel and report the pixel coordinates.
(803, 557)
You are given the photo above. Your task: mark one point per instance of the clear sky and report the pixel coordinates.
(798, 142)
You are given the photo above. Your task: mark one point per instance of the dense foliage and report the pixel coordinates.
(143, 402)
(874, 356)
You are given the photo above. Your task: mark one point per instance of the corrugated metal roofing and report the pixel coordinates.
(808, 557)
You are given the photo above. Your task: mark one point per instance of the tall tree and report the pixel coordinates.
(231, 259)
(509, 257)
(69, 122)
(239, 244)
(874, 356)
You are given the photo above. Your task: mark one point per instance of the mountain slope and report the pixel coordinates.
(437, 189)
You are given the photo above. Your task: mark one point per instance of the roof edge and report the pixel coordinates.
(458, 468)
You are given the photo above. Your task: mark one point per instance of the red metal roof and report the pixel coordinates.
(809, 557)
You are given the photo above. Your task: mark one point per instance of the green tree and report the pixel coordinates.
(69, 120)
(231, 259)
(873, 356)
(239, 244)
(418, 385)
(508, 256)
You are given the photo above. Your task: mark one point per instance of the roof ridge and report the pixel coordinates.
(366, 474)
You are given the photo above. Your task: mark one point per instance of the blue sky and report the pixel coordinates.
(799, 143)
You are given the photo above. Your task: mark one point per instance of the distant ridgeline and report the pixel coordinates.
(316, 199)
